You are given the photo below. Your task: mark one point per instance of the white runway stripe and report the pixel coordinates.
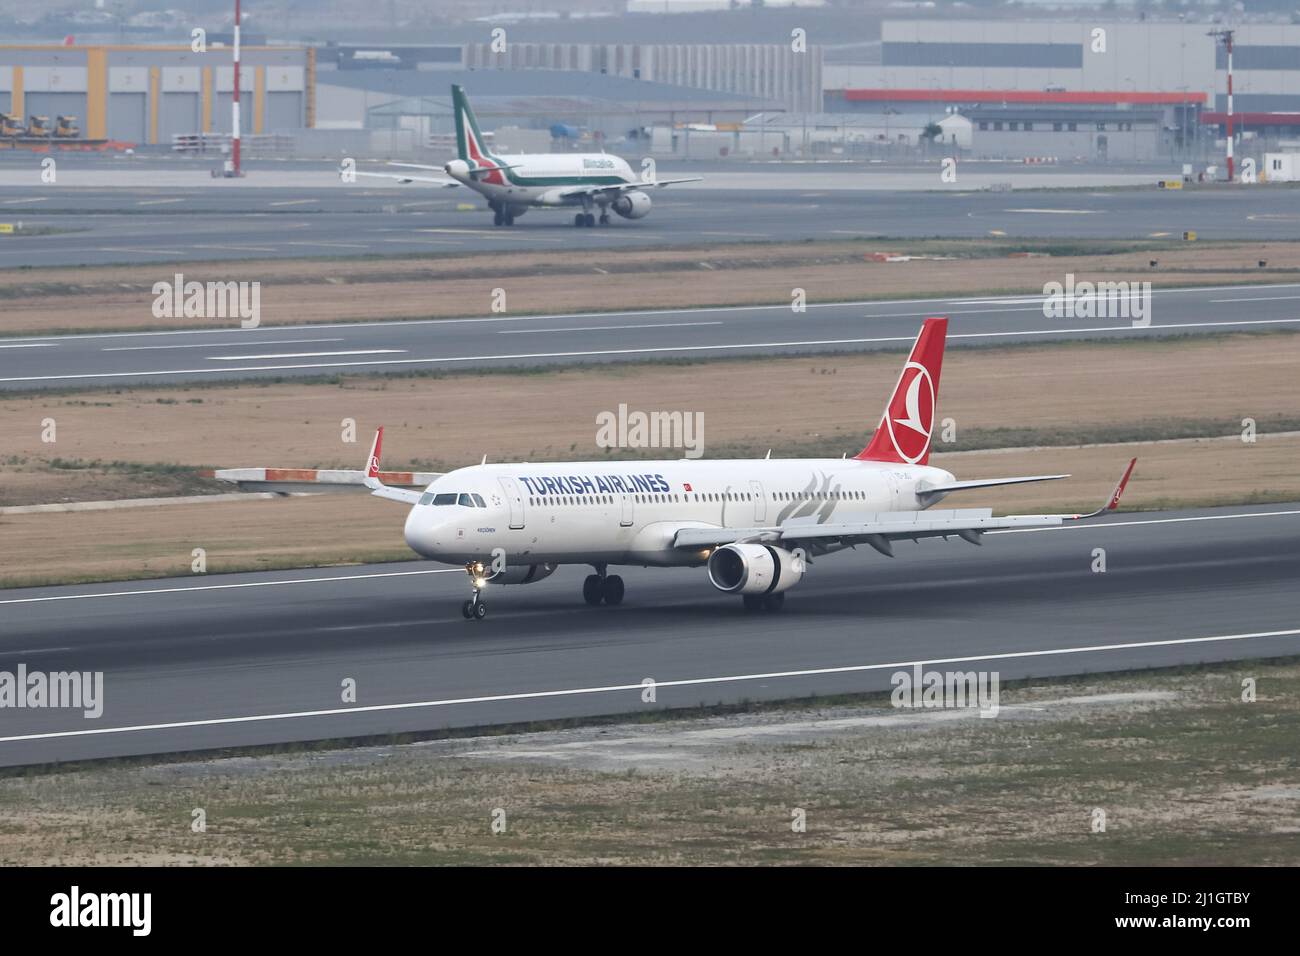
(638, 687)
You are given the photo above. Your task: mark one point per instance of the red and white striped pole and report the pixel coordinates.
(1229, 40)
(234, 104)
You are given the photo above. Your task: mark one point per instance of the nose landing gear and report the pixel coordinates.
(475, 609)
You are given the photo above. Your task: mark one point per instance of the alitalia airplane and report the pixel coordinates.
(592, 183)
(756, 525)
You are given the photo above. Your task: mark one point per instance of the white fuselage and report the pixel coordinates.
(540, 179)
(602, 512)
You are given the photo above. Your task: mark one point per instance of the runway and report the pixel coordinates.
(514, 341)
(205, 221)
(221, 661)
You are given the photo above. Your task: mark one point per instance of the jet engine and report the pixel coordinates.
(754, 569)
(520, 574)
(632, 205)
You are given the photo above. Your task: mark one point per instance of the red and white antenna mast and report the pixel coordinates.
(234, 106)
(1224, 36)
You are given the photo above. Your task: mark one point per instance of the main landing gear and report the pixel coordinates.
(589, 219)
(500, 218)
(764, 602)
(474, 609)
(601, 587)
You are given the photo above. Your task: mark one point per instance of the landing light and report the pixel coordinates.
(479, 582)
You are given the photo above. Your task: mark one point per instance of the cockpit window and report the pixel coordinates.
(478, 501)
(426, 498)
(465, 500)
(445, 499)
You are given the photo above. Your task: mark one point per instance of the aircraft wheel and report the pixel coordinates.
(774, 602)
(593, 589)
(467, 609)
(480, 610)
(580, 220)
(497, 218)
(604, 219)
(589, 219)
(510, 219)
(752, 602)
(613, 589)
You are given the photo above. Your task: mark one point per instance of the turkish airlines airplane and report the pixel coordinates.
(512, 185)
(755, 524)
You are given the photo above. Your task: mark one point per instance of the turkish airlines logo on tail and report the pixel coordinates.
(910, 416)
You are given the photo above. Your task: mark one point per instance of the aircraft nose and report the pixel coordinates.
(419, 531)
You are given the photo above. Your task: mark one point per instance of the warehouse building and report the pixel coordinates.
(148, 94)
(1044, 68)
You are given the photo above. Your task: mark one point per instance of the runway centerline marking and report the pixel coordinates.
(603, 328)
(639, 687)
(665, 349)
(286, 355)
(209, 345)
(1261, 298)
(29, 345)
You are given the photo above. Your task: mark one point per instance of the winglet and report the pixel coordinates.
(1115, 495)
(376, 484)
(1123, 483)
(372, 463)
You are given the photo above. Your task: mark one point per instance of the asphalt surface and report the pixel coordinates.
(164, 357)
(144, 215)
(261, 658)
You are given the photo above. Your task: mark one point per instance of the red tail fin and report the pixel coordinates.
(903, 435)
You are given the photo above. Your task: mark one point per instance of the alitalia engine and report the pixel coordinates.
(754, 569)
(632, 205)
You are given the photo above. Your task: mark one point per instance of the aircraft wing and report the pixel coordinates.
(880, 528)
(627, 187)
(405, 178)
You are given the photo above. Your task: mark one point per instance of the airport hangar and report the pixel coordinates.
(1155, 88)
(147, 94)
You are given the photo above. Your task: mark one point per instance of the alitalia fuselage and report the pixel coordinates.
(541, 179)
(601, 512)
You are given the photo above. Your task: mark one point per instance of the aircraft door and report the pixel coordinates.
(760, 501)
(515, 500)
(625, 519)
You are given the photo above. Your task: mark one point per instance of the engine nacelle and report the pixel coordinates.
(632, 205)
(520, 574)
(754, 569)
